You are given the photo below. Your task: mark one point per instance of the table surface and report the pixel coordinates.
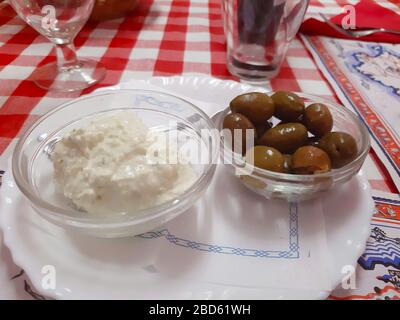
(163, 38)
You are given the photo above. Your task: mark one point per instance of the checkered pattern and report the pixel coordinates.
(166, 37)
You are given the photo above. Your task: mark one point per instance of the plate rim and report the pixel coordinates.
(7, 236)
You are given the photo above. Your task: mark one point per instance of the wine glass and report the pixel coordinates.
(60, 21)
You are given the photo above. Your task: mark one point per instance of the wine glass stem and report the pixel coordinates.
(66, 56)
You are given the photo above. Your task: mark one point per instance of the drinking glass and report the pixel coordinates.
(258, 33)
(60, 21)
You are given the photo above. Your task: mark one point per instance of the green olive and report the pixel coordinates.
(318, 119)
(238, 124)
(265, 158)
(310, 160)
(256, 106)
(340, 146)
(285, 137)
(288, 105)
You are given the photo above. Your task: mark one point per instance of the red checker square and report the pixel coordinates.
(175, 27)
(12, 48)
(19, 105)
(26, 36)
(113, 63)
(174, 36)
(218, 57)
(168, 67)
(220, 70)
(29, 89)
(11, 124)
(6, 59)
(178, 21)
(181, 3)
(128, 34)
(119, 42)
(117, 52)
(217, 46)
(112, 25)
(217, 31)
(178, 11)
(216, 24)
(172, 45)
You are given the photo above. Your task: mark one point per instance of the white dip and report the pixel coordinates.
(105, 168)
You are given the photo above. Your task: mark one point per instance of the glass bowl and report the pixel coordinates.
(291, 187)
(33, 170)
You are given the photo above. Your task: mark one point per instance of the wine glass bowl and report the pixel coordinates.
(60, 21)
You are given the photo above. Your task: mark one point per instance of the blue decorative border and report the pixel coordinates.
(376, 51)
(386, 200)
(380, 249)
(291, 253)
(350, 101)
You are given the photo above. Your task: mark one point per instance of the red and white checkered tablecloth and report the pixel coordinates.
(162, 38)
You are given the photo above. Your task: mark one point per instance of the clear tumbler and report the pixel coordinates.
(258, 33)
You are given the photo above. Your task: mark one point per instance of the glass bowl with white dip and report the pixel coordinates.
(117, 163)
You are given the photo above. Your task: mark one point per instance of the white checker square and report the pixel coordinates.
(150, 35)
(157, 7)
(195, 21)
(198, 37)
(91, 51)
(197, 56)
(151, 20)
(46, 104)
(314, 87)
(296, 43)
(299, 62)
(16, 72)
(38, 49)
(129, 75)
(143, 53)
(3, 99)
(198, 9)
(10, 28)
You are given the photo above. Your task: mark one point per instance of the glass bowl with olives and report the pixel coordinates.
(289, 145)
